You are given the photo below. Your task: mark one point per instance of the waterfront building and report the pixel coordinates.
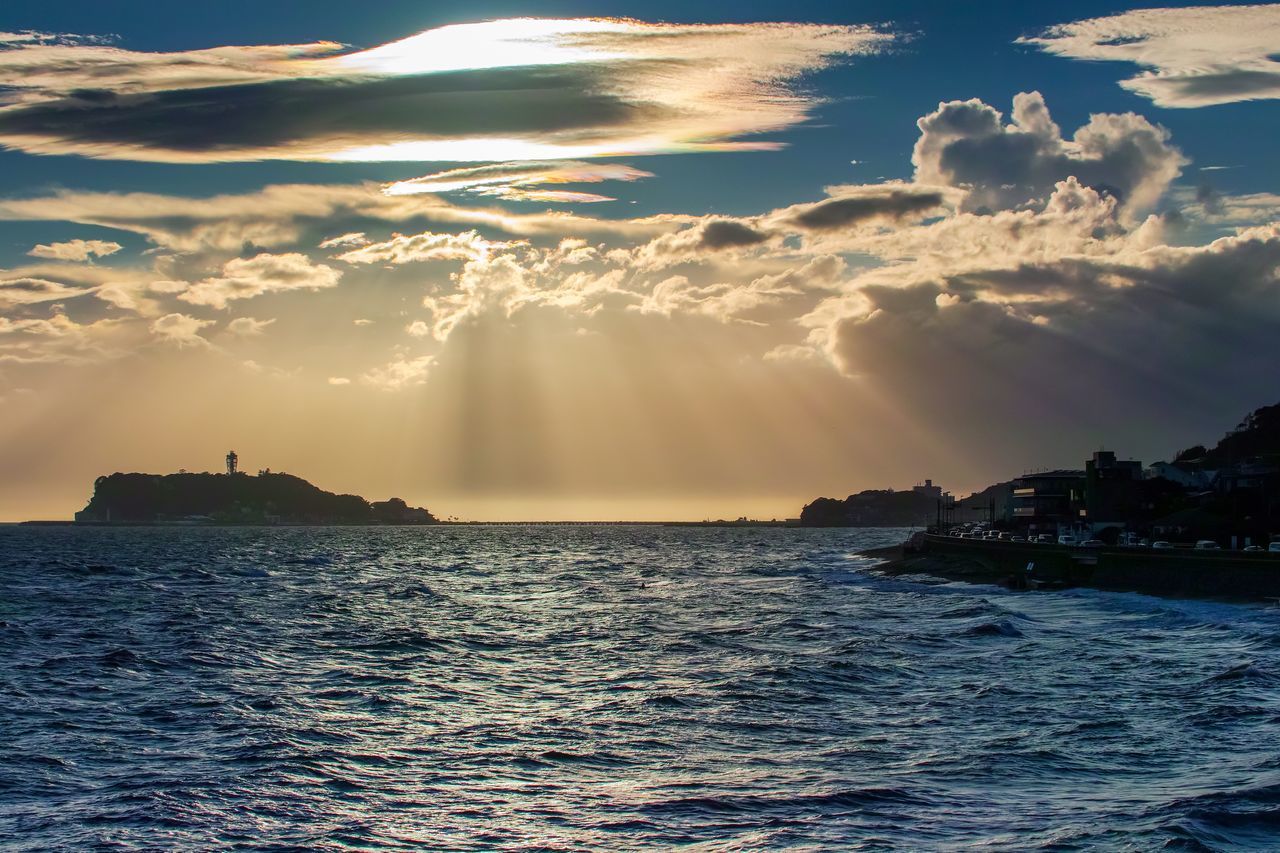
(1113, 492)
(1048, 501)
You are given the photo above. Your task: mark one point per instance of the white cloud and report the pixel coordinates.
(418, 329)
(342, 241)
(399, 374)
(248, 326)
(279, 214)
(339, 380)
(965, 144)
(245, 278)
(180, 329)
(75, 250)
(57, 339)
(427, 246)
(513, 181)
(1199, 56)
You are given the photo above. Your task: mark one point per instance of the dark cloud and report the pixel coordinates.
(521, 89)
(1222, 87)
(1052, 356)
(726, 233)
(843, 212)
(278, 115)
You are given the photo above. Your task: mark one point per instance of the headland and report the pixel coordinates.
(235, 498)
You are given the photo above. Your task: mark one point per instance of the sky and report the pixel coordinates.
(539, 261)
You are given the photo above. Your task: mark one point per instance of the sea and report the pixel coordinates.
(563, 688)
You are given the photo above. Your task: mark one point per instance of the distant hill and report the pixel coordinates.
(977, 507)
(872, 508)
(1257, 437)
(236, 499)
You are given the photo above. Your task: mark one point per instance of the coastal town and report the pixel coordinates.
(1225, 497)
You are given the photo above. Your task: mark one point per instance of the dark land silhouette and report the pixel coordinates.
(1231, 489)
(235, 498)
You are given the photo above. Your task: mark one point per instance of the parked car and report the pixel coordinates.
(1161, 544)
(1092, 543)
(1254, 549)
(1207, 545)
(1024, 539)
(1066, 540)
(1006, 537)
(1274, 548)
(1044, 539)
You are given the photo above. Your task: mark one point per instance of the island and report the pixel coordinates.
(235, 498)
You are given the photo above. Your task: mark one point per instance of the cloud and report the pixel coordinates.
(75, 250)
(29, 37)
(339, 380)
(550, 196)
(484, 284)
(856, 205)
(1075, 220)
(725, 302)
(1059, 329)
(1199, 56)
(24, 290)
(180, 329)
(427, 246)
(726, 234)
(1208, 205)
(519, 89)
(729, 301)
(277, 215)
(702, 237)
(965, 144)
(57, 339)
(399, 374)
(512, 181)
(245, 278)
(129, 288)
(418, 329)
(246, 327)
(353, 238)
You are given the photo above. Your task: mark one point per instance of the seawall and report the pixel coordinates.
(1184, 572)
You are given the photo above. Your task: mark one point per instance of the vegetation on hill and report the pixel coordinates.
(236, 498)
(872, 508)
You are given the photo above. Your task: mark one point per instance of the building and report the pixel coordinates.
(928, 490)
(1113, 491)
(1048, 501)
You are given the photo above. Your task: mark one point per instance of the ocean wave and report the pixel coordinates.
(608, 688)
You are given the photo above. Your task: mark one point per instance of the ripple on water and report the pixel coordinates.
(609, 688)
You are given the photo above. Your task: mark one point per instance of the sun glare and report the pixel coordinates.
(492, 44)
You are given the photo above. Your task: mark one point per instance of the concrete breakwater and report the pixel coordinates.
(1227, 574)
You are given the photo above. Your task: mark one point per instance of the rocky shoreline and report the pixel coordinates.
(1187, 575)
(897, 563)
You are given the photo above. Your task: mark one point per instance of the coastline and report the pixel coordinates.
(1227, 576)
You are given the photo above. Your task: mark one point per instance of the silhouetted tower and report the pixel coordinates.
(232, 459)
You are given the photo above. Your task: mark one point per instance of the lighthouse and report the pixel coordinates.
(232, 459)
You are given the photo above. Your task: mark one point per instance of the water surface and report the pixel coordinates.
(609, 688)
